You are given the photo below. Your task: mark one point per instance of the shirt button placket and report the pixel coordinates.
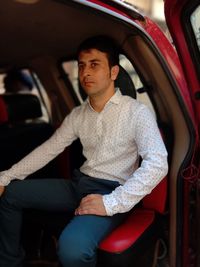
(99, 135)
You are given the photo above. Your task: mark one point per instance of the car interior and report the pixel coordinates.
(41, 42)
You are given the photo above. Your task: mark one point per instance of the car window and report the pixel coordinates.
(2, 89)
(71, 69)
(191, 24)
(195, 21)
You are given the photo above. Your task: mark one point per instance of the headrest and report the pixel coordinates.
(22, 107)
(125, 83)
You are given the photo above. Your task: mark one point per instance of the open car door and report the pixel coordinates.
(183, 20)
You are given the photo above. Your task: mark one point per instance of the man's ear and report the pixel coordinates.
(114, 72)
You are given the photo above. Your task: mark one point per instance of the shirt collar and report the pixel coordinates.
(114, 99)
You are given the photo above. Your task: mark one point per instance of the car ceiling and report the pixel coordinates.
(50, 28)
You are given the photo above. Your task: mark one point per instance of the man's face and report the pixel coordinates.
(95, 75)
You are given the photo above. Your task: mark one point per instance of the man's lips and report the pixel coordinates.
(86, 83)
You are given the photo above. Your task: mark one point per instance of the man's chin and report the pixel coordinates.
(89, 91)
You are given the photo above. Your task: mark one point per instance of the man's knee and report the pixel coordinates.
(11, 194)
(72, 251)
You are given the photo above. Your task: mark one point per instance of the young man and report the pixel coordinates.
(114, 131)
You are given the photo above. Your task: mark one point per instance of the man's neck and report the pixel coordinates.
(98, 102)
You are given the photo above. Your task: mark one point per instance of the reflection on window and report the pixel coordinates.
(195, 21)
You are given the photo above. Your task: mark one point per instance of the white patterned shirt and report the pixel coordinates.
(113, 140)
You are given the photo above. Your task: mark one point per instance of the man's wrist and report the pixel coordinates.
(4, 180)
(108, 204)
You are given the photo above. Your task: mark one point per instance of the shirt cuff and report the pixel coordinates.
(110, 204)
(4, 180)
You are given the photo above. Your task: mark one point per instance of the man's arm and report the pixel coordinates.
(153, 168)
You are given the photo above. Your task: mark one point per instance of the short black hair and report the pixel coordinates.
(104, 44)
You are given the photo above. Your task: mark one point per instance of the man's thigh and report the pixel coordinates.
(84, 233)
(44, 194)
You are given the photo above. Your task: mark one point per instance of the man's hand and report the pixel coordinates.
(91, 204)
(2, 188)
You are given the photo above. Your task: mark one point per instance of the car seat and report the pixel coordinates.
(19, 137)
(22, 107)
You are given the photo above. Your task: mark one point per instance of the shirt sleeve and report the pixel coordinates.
(153, 167)
(43, 154)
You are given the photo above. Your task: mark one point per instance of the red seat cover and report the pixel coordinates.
(156, 200)
(3, 111)
(129, 231)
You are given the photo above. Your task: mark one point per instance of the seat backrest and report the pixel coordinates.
(156, 200)
(125, 83)
(18, 137)
(22, 107)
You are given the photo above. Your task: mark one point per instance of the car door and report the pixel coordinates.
(183, 20)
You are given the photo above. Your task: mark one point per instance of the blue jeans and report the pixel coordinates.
(78, 241)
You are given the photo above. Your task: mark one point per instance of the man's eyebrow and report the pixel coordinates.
(92, 60)
(95, 60)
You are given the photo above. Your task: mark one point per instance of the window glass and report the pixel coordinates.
(71, 68)
(195, 21)
(2, 89)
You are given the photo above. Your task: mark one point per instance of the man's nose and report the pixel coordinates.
(86, 71)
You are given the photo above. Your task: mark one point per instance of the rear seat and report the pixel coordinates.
(19, 137)
(22, 107)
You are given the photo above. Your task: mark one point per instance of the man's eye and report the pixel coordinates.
(93, 65)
